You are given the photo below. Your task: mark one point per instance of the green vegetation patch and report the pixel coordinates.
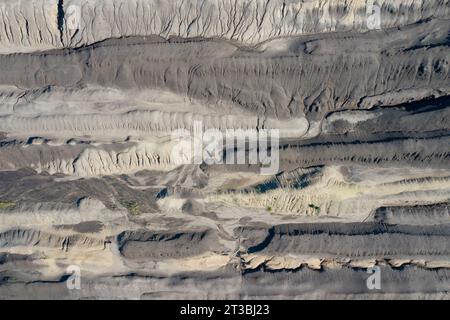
(131, 206)
(314, 207)
(6, 204)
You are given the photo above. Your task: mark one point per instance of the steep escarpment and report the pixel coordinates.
(271, 88)
(351, 240)
(36, 238)
(418, 215)
(333, 171)
(145, 244)
(41, 24)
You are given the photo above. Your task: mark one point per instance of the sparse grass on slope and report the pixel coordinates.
(131, 206)
(6, 204)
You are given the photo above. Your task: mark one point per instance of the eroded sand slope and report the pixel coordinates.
(88, 177)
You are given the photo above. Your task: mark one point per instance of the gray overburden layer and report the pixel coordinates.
(94, 203)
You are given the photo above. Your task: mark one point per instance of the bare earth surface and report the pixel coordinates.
(91, 92)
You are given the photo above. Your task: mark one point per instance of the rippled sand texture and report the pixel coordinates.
(92, 91)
